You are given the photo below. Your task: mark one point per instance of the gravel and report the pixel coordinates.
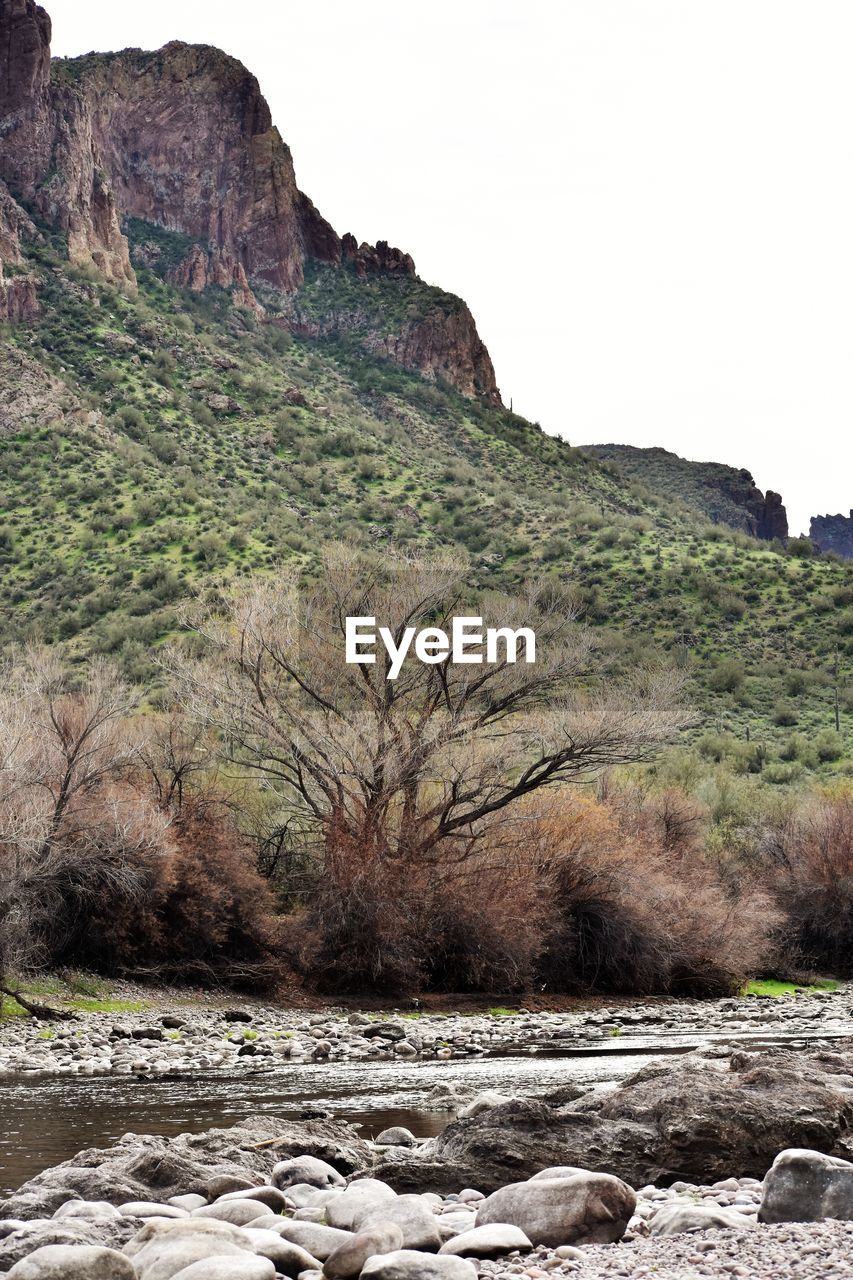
(257, 1038)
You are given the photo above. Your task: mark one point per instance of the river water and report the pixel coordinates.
(47, 1119)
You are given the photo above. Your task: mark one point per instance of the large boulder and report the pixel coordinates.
(806, 1186)
(700, 1120)
(591, 1207)
(511, 1142)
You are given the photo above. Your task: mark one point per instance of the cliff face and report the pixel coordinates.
(48, 153)
(183, 138)
(833, 533)
(190, 145)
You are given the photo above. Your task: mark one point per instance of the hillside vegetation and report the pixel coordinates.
(169, 443)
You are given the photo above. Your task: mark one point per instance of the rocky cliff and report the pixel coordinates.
(182, 139)
(48, 152)
(833, 533)
(726, 495)
(18, 297)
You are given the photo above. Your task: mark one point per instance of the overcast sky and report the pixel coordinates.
(648, 204)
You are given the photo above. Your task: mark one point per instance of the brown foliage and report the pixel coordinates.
(808, 864)
(630, 914)
(205, 913)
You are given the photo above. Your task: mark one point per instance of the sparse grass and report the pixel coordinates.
(773, 987)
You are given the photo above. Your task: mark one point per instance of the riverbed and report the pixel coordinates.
(46, 1117)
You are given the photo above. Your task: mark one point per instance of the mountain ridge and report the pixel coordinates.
(723, 493)
(183, 138)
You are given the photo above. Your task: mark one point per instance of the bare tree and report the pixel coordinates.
(394, 769)
(70, 827)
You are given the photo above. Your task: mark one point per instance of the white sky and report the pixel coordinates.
(648, 204)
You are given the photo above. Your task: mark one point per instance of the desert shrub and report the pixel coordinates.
(630, 916)
(808, 859)
(204, 913)
(727, 676)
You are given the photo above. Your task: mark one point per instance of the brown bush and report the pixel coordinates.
(205, 912)
(630, 915)
(470, 923)
(808, 864)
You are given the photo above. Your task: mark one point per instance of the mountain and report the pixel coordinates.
(202, 379)
(183, 138)
(726, 495)
(833, 533)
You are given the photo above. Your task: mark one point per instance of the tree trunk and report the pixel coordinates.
(43, 1011)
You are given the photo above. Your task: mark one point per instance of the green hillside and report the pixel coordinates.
(159, 444)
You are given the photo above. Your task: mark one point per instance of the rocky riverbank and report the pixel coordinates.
(168, 1038)
(269, 1198)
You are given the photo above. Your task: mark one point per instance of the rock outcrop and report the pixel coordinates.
(148, 1168)
(694, 1121)
(18, 299)
(190, 145)
(48, 152)
(444, 345)
(18, 294)
(726, 495)
(183, 138)
(202, 268)
(833, 533)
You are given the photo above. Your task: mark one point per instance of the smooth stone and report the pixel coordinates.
(396, 1136)
(677, 1217)
(348, 1259)
(73, 1262)
(314, 1237)
(245, 1268)
(307, 1170)
(593, 1207)
(148, 1209)
(807, 1186)
(88, 1210)
(223, 1183)
(290, 1259)
(165, 1258)
(270, 1196)
(408, 1264)
(415, 1218)
(358, 1199)
(490, 1241)
(304, 1196)
(238, 1212)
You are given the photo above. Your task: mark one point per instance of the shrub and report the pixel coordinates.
(205, 912)
(630, 915)
(808, 861)
(784, 714)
